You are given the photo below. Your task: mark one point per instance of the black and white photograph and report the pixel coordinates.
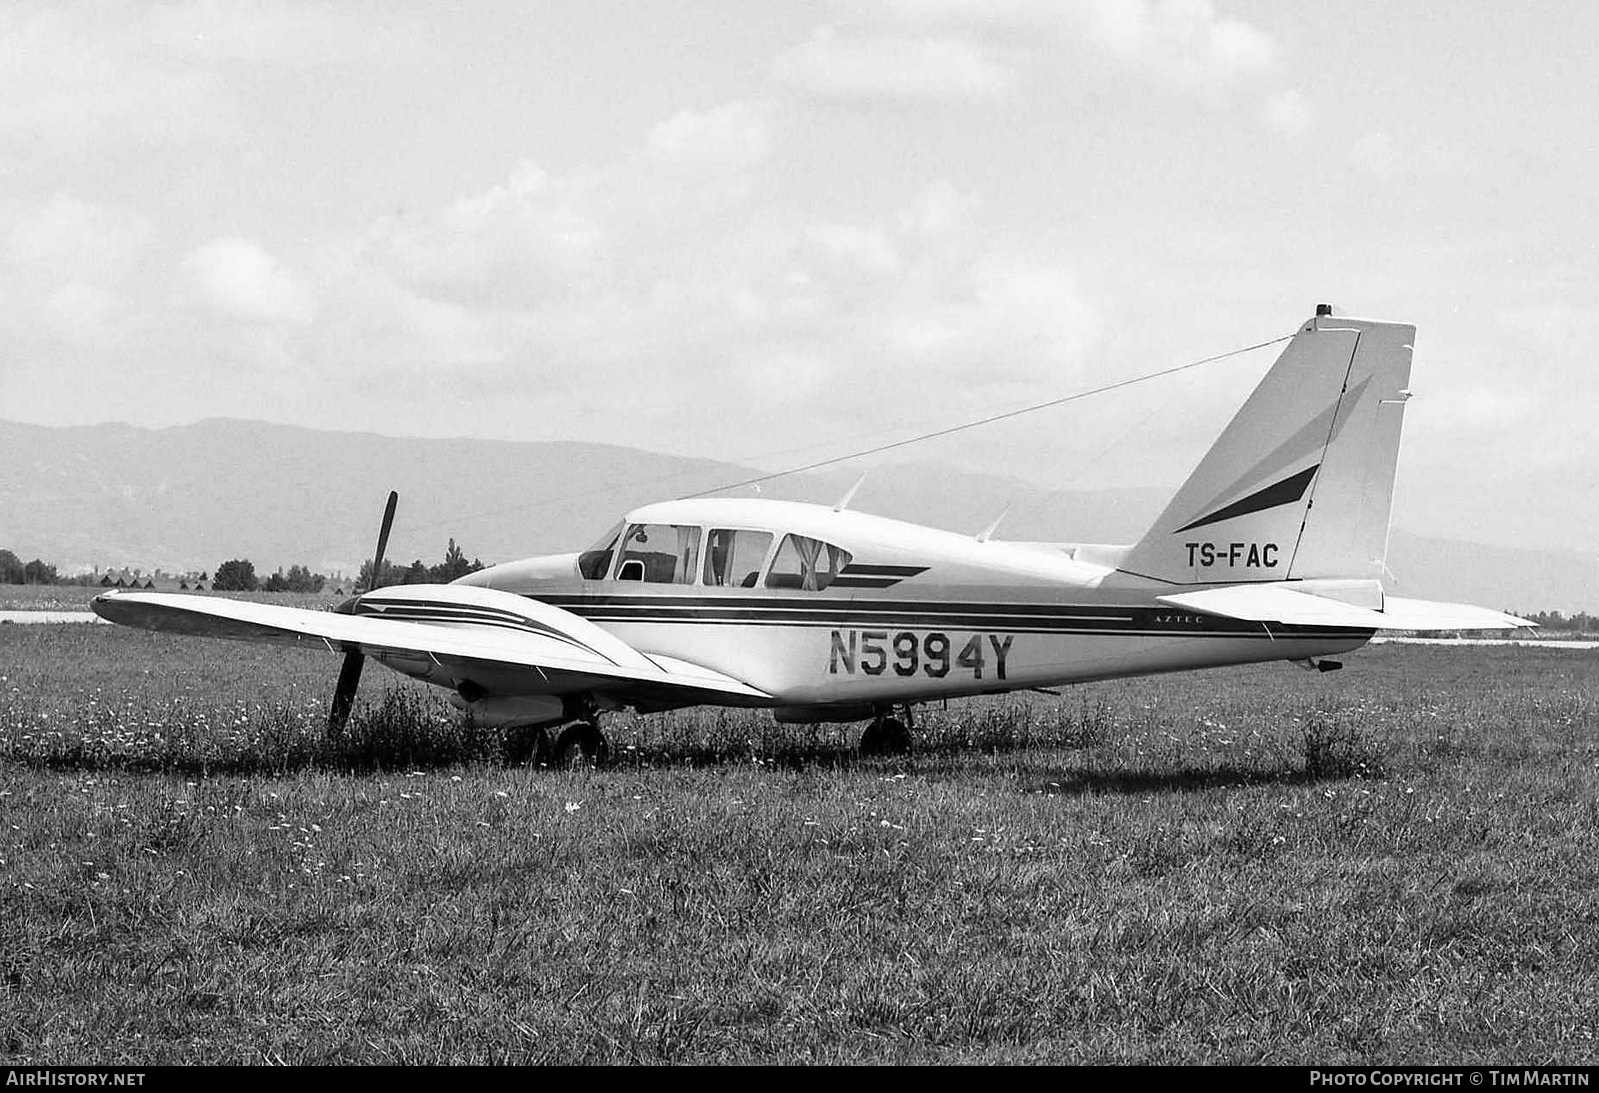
(842, 532)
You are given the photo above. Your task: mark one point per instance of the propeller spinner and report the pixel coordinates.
(350, 673)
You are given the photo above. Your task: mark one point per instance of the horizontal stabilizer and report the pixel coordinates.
(1429, 615)
(1277, 603)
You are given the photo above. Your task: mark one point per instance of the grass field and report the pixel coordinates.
(1395, 863)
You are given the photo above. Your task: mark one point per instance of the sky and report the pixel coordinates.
(778, 232)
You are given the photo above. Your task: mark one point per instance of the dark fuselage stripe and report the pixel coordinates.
(1122, 625)
(1057, 620)
(1245, 629)
(823, 618)
(926, 614)
(380, 608)
(835, 604)
(441, 613)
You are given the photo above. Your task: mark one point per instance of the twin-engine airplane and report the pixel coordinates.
(1272, 550)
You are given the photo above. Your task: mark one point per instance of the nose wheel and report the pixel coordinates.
(887, 734)
(581, 744)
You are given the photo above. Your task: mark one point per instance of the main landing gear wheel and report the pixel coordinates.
(581, 744)
(887, 735)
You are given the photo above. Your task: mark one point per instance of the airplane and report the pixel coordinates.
(1272, 549)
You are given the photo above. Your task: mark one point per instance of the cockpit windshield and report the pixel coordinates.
(660, 554)
(595, 562)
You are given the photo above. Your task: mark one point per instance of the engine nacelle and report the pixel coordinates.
(497, 712)
(833, 713)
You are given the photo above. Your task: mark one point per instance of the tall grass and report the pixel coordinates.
(202, 709)
(1142, 871)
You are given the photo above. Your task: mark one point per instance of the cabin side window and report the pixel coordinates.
(733, 557)
(807, 564)
(595, 562)
(660, 554)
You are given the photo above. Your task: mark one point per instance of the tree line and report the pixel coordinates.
(238, 574)
(1554, 620)
(454, 565)
(14, 570)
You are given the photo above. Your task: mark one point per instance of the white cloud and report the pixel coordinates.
(443, 332)
(1287, 112)
(653, 293)
(274, 31)
(1374, 153)
(732, 137)
(654, 287)
(522, 240)
(848, 251)
(79, 309)
(237, 278)
(68, 238)
(537, 240)
(1011, 320)
(892, 68)
(75, 76)
(370, 327)
(69, 80)
(1182, 42)
(940, 209)
(64, 265)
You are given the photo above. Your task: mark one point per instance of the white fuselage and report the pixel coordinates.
(917, 614)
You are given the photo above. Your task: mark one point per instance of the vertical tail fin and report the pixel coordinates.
(1300, 484)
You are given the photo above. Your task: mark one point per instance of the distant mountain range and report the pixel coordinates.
(190, 497)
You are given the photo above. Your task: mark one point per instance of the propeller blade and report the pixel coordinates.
(383, 540)
(350, 673)
(344, 693)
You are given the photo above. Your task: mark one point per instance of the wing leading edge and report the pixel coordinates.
(444, 633)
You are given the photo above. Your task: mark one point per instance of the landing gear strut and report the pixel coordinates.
(888, 735)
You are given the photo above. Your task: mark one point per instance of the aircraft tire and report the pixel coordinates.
(581, 744)
(886, 736)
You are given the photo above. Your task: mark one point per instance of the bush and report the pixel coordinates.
(1339, 745)
(236, 575)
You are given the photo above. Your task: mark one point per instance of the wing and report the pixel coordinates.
(470, 639)
(1275, 603)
